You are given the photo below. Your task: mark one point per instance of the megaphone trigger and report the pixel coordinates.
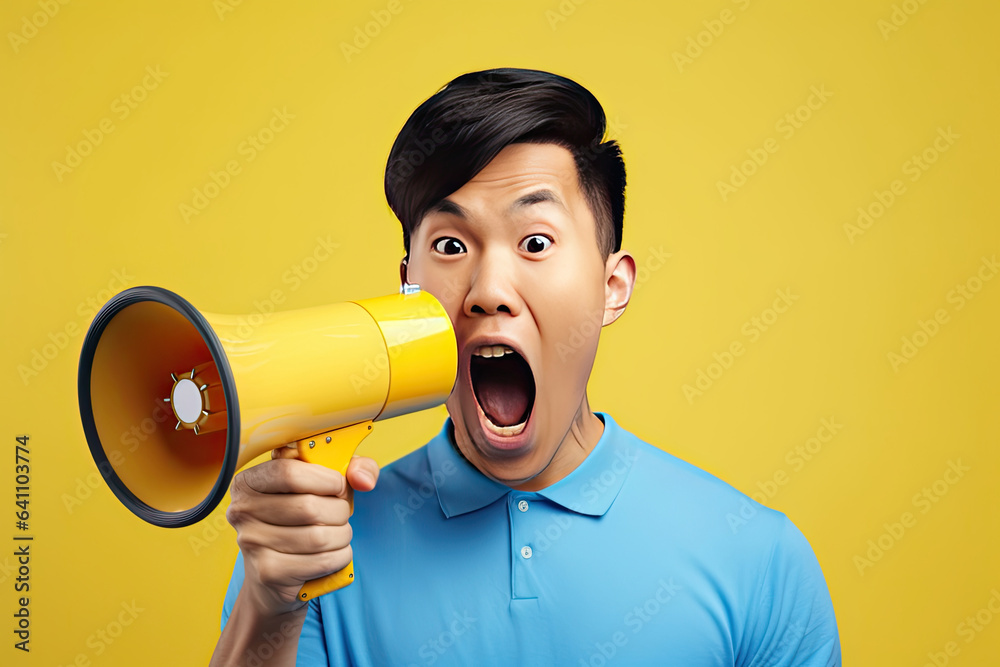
(333, 449)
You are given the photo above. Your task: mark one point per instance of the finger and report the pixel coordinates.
(283, 475)
(289, 509)
(286, 452)
(362, 473)
(293, 539)
(279, 569)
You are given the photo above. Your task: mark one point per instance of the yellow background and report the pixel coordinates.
(683, 127)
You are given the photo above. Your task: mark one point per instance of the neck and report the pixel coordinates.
(581, 438)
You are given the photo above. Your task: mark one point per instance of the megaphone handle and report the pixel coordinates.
(333, 449)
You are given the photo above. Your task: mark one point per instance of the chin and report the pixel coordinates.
(493, 443)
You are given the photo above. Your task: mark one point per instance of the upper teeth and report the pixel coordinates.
(492, 351)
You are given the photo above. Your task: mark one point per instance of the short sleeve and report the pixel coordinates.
(235, 583)
(794, 625)
(312, 646)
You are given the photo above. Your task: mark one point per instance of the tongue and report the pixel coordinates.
(504, 388)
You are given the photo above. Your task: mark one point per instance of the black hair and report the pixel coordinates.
(453, 135)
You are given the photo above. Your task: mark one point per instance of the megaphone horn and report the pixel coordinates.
(235, 387)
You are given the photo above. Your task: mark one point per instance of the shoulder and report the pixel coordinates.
(660, 475)
(755, 554)
(680, 498)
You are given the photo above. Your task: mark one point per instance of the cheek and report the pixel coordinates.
(570, 310)
(570, 343)
(448, 287)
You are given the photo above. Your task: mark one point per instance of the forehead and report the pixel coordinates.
(527, 163)
(520, 176)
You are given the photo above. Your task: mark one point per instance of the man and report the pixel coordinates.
(530, 531)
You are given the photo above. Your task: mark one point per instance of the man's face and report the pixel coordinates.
(513, 257)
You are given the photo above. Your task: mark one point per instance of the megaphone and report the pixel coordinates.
(208, 393)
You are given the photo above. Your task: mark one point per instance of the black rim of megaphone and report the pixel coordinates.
(130, 500)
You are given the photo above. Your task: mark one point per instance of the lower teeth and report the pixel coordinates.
(505, 430)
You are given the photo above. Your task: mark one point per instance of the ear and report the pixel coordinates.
(619, 275)
(402, 272)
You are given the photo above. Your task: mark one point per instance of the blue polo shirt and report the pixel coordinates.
(634, 558)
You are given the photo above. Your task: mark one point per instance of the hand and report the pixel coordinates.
(291, 521)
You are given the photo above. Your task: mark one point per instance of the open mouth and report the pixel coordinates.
(504, 387)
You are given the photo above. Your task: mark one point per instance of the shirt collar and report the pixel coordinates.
(460, 486)
(589, 489)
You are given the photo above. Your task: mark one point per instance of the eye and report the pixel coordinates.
(447, 245)
(535, 243)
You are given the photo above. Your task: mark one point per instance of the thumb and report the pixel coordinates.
(362, 473)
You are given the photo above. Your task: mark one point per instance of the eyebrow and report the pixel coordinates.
(530, 199)
(537, 197)
(448, 206)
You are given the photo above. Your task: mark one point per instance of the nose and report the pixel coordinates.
(491, 289)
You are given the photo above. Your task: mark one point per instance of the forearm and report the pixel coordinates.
(250, 639)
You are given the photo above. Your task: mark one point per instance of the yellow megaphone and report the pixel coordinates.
(208, 393)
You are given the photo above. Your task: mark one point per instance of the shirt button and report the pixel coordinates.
(523, 505)
(526, 552)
